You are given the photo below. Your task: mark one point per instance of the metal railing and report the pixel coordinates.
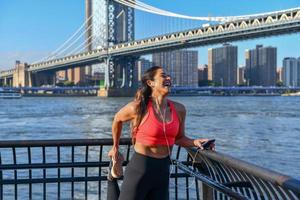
(69, 169)
(77, 169)
(251, 181)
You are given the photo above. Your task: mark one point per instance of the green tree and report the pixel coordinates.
(279, 83)
(68, 83)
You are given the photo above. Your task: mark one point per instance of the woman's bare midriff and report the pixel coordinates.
(159, 151)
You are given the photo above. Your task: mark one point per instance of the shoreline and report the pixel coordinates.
(180, 95)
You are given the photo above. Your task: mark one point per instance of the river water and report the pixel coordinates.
(261, 130)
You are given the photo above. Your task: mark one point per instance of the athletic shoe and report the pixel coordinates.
(116, 170)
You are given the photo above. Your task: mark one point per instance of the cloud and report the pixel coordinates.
(8, 59)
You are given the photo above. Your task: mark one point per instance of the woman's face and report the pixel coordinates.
(161, 82)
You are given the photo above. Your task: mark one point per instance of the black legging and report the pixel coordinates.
(146, 178)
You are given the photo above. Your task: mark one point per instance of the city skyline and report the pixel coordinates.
(57, 20)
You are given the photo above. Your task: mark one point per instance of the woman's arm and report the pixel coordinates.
(124, 114)
(182, 139)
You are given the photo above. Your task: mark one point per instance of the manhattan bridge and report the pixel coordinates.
(107, 39)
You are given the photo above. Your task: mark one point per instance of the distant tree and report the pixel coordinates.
(68, 83)
(60, 84)
(206, 83)
(81, 83)
(242, 85)
(279, 83)
(216, 84)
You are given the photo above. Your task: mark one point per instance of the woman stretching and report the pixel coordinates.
(156, 125)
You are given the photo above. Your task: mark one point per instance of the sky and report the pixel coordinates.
(31, 29)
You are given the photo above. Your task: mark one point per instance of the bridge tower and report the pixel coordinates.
(23, 78)
(112, 23)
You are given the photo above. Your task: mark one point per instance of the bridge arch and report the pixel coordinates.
(243, 24)
(190, 33)
(173, 36)
(231, 26)
(181, 35)
(199, 32)
(209, 30)
(297, 15)
(269, 19)
(220, 28)
(283, 17)
(255, 22)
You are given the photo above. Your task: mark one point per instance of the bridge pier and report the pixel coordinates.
(120, 77)
(20, 75)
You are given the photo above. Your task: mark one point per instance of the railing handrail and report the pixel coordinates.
(274, 177)
(62, 142)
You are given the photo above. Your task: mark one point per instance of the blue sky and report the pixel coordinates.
(29, 29)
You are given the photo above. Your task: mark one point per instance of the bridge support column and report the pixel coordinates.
(120, 78)
(9, 82)
(29, 79)
(2, 82)
(20, 76)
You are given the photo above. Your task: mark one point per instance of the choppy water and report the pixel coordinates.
(260, 130)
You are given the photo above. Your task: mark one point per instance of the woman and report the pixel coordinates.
(157, 124)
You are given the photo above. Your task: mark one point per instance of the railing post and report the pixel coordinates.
(207, 192)
(1, 178)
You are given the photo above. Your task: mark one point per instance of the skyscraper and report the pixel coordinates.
(291, 71)
(241, 75)
(279, 75)
(203, 73)
(180, 64)
(222, 65)
(261, 64)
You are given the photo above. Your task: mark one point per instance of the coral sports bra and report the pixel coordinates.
(151, 131)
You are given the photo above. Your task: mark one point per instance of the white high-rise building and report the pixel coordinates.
(291, 71)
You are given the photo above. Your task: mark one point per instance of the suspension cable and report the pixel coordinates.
(145, 7)
(62, 47)
(83, 44)
(74, 41)
(78, 30)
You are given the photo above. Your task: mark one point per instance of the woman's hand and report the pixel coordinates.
(198, 143)
(114, 153)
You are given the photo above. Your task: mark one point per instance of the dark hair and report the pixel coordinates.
(142, 97)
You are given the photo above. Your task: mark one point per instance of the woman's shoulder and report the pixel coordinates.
(180, 108)
(132, 105)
